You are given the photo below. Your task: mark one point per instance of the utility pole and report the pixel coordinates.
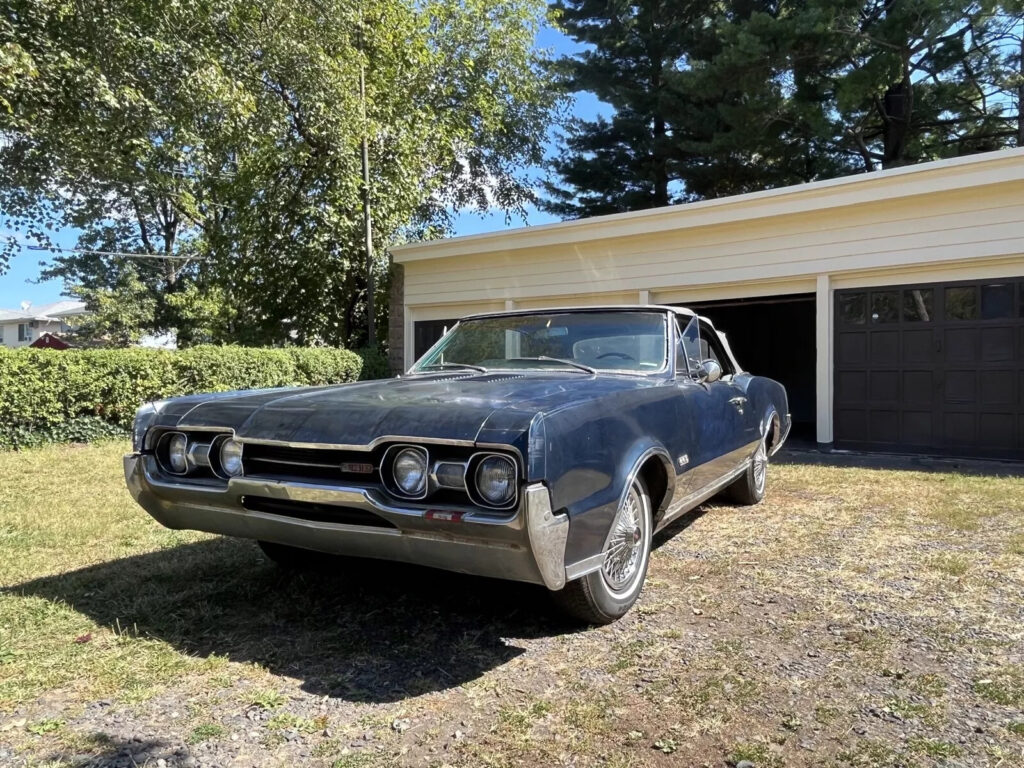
(1020, 89)
(371, 330)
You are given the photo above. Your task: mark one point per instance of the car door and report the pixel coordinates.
(732, 386)
(710, 415)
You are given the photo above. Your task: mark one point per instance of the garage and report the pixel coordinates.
(889, 304)
(932, 368)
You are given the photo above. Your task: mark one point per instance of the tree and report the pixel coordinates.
(222, 142)
(631, 160)
(768, 93)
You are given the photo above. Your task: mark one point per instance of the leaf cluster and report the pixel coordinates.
(228, 134)
(86, 394)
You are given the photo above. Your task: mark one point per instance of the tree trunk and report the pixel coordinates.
(1020, 91)
(898, 104)
(660, 163)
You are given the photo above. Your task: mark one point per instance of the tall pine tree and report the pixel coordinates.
(720, 98)
(631, 160)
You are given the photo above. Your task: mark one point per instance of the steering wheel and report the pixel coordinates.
(621, 355)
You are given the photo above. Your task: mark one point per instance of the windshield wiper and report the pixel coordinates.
(454, 365)
(571, 363)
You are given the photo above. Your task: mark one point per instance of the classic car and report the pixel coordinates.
(540, 446)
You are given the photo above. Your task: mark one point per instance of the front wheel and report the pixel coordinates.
(605, 595)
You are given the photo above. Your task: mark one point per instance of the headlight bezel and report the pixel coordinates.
(221, 442)
(473, 481)
(388, 471)
(164, 456)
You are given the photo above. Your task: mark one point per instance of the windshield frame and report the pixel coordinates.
(665, 369)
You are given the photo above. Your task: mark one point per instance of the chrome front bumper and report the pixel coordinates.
(527, 546)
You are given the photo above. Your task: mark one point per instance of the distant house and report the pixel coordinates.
(21, 327)
(50, 341)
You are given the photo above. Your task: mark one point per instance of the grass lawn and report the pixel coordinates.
(855, 618)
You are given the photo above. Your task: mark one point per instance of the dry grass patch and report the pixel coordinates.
(855, 618)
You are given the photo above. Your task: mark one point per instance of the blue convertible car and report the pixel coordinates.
(542, 446)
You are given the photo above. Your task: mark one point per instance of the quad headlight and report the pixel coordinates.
(409, 470)
(231, 457)
(496, 480)
(177, 453)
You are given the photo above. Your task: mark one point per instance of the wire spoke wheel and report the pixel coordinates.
(605, 594)
(760, 466)
(624, 552)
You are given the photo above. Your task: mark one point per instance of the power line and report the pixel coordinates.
(94, 252)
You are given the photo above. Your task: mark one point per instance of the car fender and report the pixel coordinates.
(588, 458)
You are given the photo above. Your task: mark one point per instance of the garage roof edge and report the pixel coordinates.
(954, 173)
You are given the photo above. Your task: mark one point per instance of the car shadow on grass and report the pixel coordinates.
(362, 630)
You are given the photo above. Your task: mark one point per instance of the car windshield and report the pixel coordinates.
(586, 342)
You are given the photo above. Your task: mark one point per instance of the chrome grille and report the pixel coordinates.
(275, 461)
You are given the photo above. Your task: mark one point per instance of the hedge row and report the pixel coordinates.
(86, 394)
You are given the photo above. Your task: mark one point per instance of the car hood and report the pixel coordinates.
(489, 408)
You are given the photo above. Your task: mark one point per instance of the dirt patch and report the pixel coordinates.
(857, 617)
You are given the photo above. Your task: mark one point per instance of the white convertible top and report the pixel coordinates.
(595, 308)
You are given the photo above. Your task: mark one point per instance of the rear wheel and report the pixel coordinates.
(605, 595)
(749, 487)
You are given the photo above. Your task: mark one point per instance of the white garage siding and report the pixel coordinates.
(949, 220)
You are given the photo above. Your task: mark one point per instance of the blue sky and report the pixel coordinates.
(20, 282)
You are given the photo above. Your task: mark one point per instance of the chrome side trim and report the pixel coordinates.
(701, 495)
(548, 533)
(584, 566)
(683, 505)
(670, 484)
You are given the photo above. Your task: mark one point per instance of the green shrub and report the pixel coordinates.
(80, 395)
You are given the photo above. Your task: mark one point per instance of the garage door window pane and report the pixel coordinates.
(885, 307)
(853, 308)
(917, 305)
(996, 300)
(962, 303)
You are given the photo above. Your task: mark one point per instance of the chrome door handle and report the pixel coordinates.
(738, 401)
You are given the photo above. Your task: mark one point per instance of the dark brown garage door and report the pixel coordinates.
(426, 333)
(931, 368)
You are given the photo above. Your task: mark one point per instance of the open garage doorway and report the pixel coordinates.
(773, 336)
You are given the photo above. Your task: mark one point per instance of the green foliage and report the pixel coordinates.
(81, 395)
(228, 134)
(714, 99)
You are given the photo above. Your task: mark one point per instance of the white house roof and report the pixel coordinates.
(962, 173)
(44, 312)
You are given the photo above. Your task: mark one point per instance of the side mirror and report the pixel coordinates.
(709, 371)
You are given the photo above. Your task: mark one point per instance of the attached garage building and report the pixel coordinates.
(890, 304)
